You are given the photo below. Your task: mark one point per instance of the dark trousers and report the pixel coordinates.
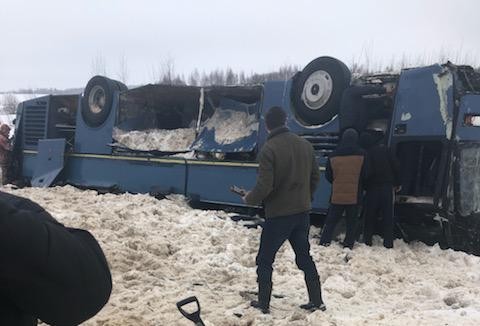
(276, 231)
(379, 202)
(335, 213)
(48, 271)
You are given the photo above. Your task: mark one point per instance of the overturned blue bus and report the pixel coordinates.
(199, 141)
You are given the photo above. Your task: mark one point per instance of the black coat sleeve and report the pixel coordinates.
(328, 171)
(11, 204)
(367, 169)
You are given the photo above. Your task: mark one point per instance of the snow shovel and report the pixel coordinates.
(194, 316)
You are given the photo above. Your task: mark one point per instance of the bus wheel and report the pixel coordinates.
(317, 90)
(97, 99)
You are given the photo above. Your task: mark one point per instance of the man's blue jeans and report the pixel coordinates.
(276, 231)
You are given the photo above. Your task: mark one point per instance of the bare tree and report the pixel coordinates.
(194, 79)
(122, 74)
(230, 77)
(168, 71)
(241, 78)
(99, 65)
(10, 103)
(164, 73)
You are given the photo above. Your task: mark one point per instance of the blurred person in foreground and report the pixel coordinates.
(381, 186)
(47, 271)
(5, 150)
(287, 177)
(347, 170)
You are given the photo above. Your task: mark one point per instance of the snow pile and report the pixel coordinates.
(163, 251)
(175, 140)
(231, 125)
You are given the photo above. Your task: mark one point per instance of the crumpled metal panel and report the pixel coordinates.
(424, 103)
(208, 139)
(49, 161)
(206, 143)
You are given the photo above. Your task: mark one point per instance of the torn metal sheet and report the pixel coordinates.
(232, 128)
(49, 161)
(444, 83)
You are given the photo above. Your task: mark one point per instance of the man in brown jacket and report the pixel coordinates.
(5, 149)
(347, 170)
(287, 178)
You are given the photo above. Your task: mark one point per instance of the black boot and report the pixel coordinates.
(264, 293)
(315, 301)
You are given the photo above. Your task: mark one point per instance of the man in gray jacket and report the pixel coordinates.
(287, 178)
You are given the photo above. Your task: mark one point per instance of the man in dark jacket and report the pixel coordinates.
(384, 180)
(287, 178)
(347, 169)
(354, 106)
(47, 271)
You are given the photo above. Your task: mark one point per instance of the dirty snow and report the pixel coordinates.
(163, 251)
(156, 139)
(231, 125)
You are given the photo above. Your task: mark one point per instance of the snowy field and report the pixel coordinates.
(8, 118)
(163, 251)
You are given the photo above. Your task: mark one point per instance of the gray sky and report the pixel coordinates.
(52, 43)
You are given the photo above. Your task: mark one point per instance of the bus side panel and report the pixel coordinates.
(321, 198)
(211, 182)
(138, 176)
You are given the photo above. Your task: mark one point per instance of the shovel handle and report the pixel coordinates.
(194, 316)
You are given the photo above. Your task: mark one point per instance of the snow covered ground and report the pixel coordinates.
(162, 251)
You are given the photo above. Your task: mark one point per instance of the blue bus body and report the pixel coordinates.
(429, 128)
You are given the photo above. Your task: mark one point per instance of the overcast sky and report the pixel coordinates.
(52, 43)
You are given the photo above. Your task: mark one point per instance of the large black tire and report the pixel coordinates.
(317, 90)
(121, 86)
(98, 98)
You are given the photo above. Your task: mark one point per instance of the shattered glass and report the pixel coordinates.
(469, 180)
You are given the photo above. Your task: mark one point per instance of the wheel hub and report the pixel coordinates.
(317, 89)
(96, 99)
